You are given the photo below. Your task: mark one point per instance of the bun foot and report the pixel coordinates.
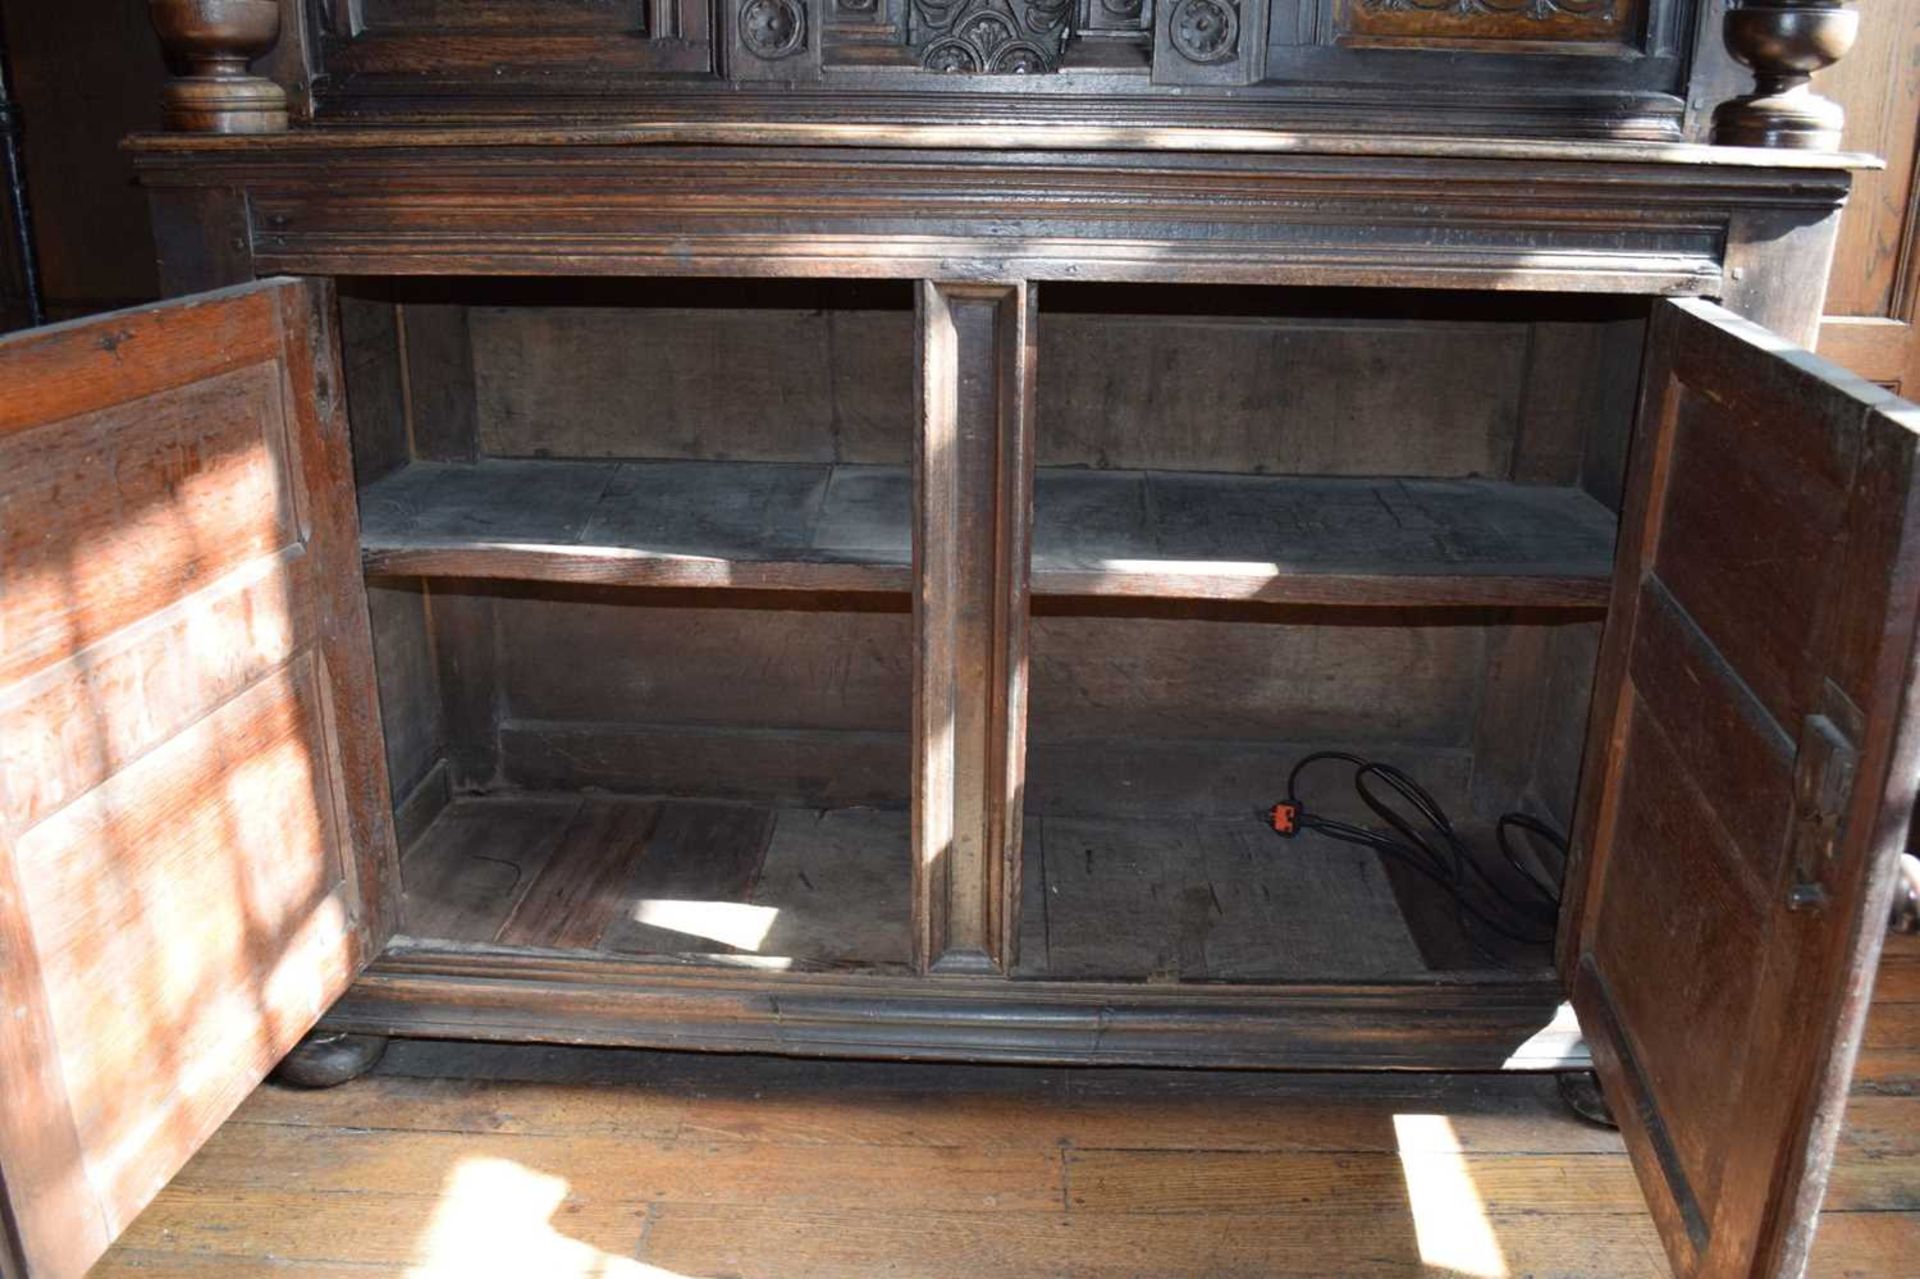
(1580, 1089)
(1906, 896)
(327, 1060)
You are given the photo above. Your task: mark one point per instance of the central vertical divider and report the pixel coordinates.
(973, 496)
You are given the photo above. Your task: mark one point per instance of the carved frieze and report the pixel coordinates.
(1007, 37)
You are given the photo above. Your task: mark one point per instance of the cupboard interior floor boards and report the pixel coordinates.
(819, 887)
(1176, 898)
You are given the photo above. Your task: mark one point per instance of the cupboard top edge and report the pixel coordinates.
(1211, 140)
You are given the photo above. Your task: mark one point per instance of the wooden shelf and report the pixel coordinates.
(1165, 535)
(1316, 540)
(750, 525)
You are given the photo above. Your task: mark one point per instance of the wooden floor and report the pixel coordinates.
(560, 1163)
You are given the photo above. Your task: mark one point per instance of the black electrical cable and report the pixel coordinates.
(1437, 853)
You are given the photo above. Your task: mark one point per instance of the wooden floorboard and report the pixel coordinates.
(481, 1160)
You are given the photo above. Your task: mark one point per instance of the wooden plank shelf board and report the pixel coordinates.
(749, 525)
(1314, 540)
(1170, 535)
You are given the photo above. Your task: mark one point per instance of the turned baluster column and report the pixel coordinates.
(1784, 42)
(212, 41)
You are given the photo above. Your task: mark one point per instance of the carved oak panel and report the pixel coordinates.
(1002, 37)
(1338, 64)
(1472, 21)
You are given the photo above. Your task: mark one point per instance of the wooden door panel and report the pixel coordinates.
(1749, 777)
(195, 856)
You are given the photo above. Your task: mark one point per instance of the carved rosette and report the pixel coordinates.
(1205, 31)
(997, 37)
(773, 29)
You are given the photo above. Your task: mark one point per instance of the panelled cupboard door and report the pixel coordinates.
(1750, 777)
(195, 851)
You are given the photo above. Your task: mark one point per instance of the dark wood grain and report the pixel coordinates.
(474, 864)
(698, 855)
(442, 416)
(1435, 1024)
(1567, 69)
(576, 894)
(1248, 207)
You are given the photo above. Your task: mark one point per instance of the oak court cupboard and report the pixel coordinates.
(821, 526)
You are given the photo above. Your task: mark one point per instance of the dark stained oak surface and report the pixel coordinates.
(1180, 535)
(1011, 137)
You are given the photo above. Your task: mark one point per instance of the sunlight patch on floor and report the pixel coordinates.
(1450, 1220)
(1558, 1045)
(733, 924)
(494, 1219)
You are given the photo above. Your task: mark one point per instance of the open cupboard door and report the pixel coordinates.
(196, 855)
(1750, 777)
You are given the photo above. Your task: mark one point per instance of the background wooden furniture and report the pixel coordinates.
(1871, 299)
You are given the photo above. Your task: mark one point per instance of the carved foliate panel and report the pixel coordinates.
(1469, 21)
(993, 37)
